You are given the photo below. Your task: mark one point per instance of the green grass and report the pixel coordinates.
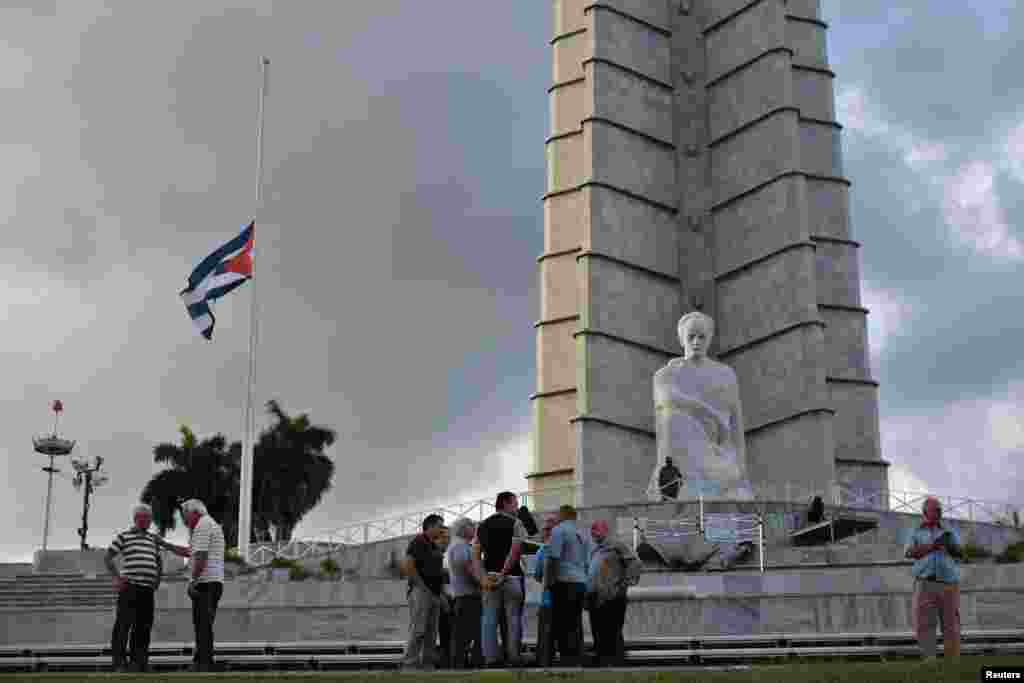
(838, 671)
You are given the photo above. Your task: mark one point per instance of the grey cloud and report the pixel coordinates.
(908, 54)
(396, 251)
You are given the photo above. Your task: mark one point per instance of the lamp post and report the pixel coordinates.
(52, 446)
(91, 477)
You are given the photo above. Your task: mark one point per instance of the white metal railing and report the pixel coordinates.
(719, 528)
(836, 494)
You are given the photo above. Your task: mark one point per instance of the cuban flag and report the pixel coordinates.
(227, 268)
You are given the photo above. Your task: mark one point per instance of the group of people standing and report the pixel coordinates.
(479, 599)
(141, 571)
(458, 615)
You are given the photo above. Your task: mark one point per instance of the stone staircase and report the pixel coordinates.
(64, 589)
(56, 590)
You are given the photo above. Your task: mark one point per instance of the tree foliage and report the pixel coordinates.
(291, 474)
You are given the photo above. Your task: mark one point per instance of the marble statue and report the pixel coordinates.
(698, 418)
(699, 426)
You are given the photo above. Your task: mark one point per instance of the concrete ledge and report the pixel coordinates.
(739, 614)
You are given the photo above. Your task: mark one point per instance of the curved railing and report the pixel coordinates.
(839, 494)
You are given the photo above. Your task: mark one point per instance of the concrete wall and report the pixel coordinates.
(10, 570)
(87, 562)
(868, 601)
(694, 162)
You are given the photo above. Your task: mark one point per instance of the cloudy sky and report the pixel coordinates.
(397, 245)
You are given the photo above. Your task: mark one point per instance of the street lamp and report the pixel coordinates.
(90, 476)
(52, 446)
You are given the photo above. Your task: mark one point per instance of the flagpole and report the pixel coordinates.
(245, 484)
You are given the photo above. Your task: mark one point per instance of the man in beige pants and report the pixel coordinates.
(935, 548)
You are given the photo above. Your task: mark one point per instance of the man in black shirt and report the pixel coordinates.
(669, 479)
(424, 567)
(496, 553)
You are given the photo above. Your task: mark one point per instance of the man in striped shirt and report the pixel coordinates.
(206, 542)
(136, 583)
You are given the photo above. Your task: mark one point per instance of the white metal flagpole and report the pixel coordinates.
(245, 484)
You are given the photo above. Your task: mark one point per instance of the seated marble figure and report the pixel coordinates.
(699, 420)
(699, 426)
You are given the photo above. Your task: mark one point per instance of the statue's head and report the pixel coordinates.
(696, 330)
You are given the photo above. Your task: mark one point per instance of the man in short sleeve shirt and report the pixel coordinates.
(423, 566)
(465, 591)
(934, 548)
(206, 542)
(136, 583)
(496, 553)
(565, 575)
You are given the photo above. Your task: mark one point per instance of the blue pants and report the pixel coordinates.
(508, 598)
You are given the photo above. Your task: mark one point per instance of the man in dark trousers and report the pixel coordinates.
(465, 591)
(206, 550)
(444, 617)
(614, 567)
(423, 566)
(496, 553)
(545, 645)
(669, 479)
(565, 575)
(136, 583)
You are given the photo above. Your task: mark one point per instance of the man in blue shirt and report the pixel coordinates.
(545, 645)
(934, 549)
(565, 575)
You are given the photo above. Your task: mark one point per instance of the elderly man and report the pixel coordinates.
(465, 591)
(135, 583)
(613, 568)
(423, 566)
(934, 548)
(206, 548)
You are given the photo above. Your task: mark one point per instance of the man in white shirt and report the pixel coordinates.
(206, 543)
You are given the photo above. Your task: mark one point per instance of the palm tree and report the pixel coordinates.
(207, 470)
(291, 472)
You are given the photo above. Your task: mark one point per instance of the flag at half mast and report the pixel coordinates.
(225, 269)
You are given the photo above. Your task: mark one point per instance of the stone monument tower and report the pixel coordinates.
(694, 163)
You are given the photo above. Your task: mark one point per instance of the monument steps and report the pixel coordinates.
(59, 590)
(387, 654)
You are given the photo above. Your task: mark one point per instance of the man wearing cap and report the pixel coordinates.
(934, 549)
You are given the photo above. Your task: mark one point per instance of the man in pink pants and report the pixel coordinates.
(934, 549)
